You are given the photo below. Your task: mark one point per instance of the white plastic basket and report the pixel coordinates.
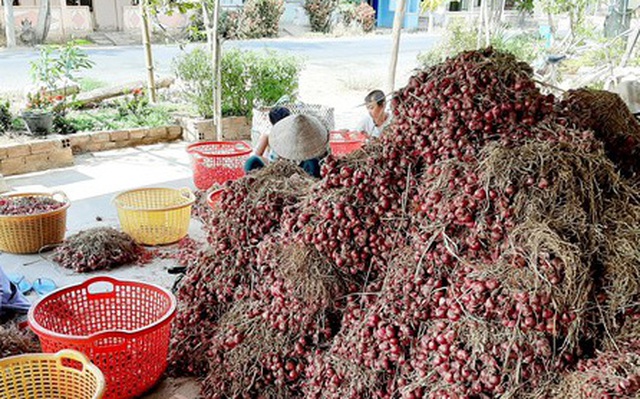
(261, 123)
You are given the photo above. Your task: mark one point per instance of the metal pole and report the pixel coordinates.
(397, 28)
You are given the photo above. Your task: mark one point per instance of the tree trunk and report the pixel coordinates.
(572, 23)
(94, 97)
(631, 43)
(207, 24)
(148, 55)
(44, 21)
(9, 25)
(397, 28)
(552, 25)
(216, 60)
(430, 26)
(485, 26)
(497, 9)
(211, 18)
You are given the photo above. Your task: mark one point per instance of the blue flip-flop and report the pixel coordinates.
(42, 286)
(18, 279)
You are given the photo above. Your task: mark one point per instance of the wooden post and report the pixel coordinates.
(213, 41)
(44, 20)
(397, 28)
(63, 7)
(9, 24)
(216, 61)
(146, 41)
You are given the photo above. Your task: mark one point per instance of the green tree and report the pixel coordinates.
(575, 9)
(430, 6)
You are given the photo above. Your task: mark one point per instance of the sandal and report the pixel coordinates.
(18, 279)
(42, 286)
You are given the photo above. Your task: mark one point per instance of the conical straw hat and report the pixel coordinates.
(298, 138)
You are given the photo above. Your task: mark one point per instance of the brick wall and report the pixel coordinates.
(234, 128)
(57, 151)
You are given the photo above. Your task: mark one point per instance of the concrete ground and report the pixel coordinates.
(91, 185)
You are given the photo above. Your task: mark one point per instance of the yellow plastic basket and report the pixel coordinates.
(155, 216)
(25, 234)
(67, 374)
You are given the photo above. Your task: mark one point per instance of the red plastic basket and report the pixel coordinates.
(124, 327)
(343, 143)
(217, 161)
(214, 197)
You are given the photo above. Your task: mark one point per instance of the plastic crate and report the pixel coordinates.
(67, 374)
(124, 327)
(155, 216)
(217, 162)
(343, 143)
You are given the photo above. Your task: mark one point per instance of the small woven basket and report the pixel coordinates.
(67, 374)
(27, 234)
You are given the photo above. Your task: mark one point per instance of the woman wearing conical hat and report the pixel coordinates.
(301, 139)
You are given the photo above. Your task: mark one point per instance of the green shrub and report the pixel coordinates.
(18, 124)
(461, 36)
(5, 116)
(361, 13)
(320, 12)
(274, 75)
(524, 47)
(365, 15)
(249, 79)
(62, 124)
(110, 118)
(195, 70)
(237, 96)
(229, 24)
(59, 62)
(135, 105)
(260, 18)
(347, 11)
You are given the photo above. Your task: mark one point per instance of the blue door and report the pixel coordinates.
(386, 13)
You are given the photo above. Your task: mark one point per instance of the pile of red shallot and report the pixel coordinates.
(485, 247)
(28, 205)
(99, 248)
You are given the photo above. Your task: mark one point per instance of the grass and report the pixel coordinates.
(83, 42)
(88, 84)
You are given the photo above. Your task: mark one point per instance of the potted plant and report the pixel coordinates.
(39, 112)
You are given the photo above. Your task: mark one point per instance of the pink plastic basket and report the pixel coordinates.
(123, 327)
(343, 143)
(217, 161)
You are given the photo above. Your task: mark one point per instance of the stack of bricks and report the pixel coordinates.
(102, 141)
(57, 151)
(234, 128)
(31, 157)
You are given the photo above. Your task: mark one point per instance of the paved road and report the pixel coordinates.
(119, 64)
